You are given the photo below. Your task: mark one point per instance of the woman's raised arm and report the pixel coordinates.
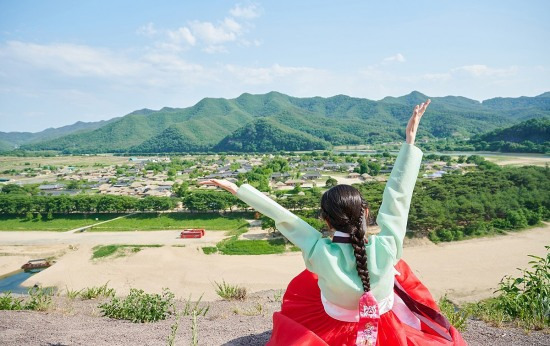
(394, 211)
(299, 232)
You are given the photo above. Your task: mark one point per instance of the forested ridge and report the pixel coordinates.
(338, 120)
(529, 136)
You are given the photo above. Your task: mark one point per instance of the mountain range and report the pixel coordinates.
(274, 121)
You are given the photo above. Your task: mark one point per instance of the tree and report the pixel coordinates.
(331, 182)
(268, 224)
(374, 168)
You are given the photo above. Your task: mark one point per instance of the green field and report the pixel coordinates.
(59, 222)
(234, 246)
(167, 221)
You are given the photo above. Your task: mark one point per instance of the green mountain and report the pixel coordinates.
(5, 146)
(18, 138)
(338, 120)
(172, 139)
(267, 135)
(534, 130)
(531, 136)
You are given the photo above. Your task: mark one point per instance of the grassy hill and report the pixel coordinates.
(338, 120)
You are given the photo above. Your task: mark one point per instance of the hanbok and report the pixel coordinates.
(303, 320)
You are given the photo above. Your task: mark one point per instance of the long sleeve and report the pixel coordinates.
(299, 232)
(394, 211)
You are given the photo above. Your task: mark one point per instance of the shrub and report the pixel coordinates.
(524, 299)
(445, 235)
(95, 292)
(230, 292)
(9, 302)
(28, 216)
(72, 294)
(458, 318)
(527, 297)
(40, 299)
(139, 306)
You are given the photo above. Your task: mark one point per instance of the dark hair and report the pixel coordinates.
(343, 207)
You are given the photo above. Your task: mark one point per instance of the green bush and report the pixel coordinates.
(458, 318)
(230, 292)
(95, 292)
(139, 306)
(524, 299)
(39, 299)
(516, 218)
(9, 302)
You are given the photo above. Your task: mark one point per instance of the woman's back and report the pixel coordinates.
(335, 263)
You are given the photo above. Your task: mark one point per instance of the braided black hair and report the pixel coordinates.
(344, 208)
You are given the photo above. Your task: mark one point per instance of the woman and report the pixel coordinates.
(355, 291)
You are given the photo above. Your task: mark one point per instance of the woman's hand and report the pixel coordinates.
(224, 184)
(412, 126)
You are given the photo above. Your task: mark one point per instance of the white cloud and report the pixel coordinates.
(485, 71)
(247, 12)
(182, 34)
(147, 30)
(395, 58)
(71, 63)
(211, 37)
(209, 33)
(70, 59)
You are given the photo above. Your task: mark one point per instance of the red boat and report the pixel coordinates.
(192, 233)
(36, 264)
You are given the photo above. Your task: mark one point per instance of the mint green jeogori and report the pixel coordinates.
(334, 263)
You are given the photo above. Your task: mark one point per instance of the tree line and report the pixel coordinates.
(22, 204)
(484, 201)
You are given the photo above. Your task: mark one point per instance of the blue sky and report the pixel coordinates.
(64, 61)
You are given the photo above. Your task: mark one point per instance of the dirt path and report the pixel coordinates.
(83, 228)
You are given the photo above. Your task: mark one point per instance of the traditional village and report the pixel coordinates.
(157, 175)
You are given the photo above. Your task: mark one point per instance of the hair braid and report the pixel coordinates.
(358, 243)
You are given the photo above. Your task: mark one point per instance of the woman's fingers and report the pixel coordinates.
(424, 106)
(209, 182)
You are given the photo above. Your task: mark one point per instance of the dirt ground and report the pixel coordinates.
(226, 323)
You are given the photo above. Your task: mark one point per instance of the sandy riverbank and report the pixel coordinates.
(465, 271)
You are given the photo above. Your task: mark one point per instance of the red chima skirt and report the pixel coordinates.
(303, 320)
